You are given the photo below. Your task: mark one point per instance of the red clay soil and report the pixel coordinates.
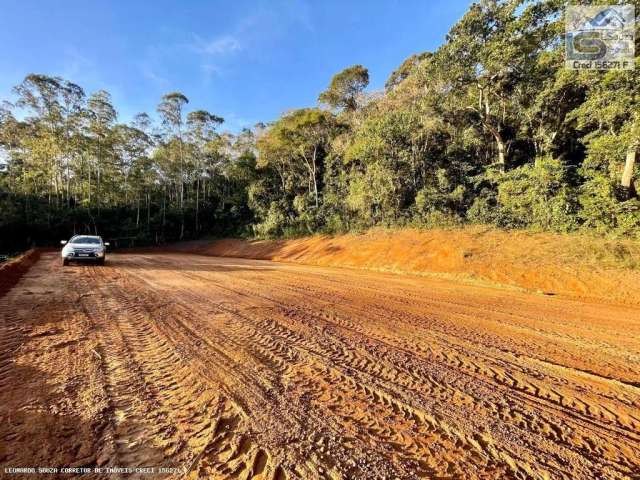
(12, 271)
(226, 368)
(566, 265)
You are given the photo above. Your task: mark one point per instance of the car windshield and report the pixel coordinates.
(91, 240)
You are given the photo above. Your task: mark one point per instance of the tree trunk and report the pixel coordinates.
(68, 184)
(164, 208)
(181, 185)
(484, 110)
(98, 175)
(148, 212)
(314, 174)
(98, 192)
(197, 204)
(502, 150)
(627, 174)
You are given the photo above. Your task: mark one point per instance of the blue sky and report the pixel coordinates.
(245, 60)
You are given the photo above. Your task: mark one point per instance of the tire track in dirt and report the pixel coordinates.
(47, 416)
(253, 341)
(294, 365)
(167, 409)
(527, 420)
(243, 339)
(462, 307)
(527, 386)
(252, 370)
(11, 337)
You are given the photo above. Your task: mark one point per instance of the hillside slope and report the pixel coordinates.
(567, 265)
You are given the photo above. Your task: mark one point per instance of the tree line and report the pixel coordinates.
(70, 167)
(490, 128)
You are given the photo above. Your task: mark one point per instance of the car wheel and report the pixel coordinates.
(101, 261)
(65, 262)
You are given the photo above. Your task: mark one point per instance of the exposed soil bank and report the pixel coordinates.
(11, 271)
(568, 265)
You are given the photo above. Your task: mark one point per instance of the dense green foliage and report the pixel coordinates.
(490, 128)
(70, 168)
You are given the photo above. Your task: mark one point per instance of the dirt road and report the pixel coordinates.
(227, 368)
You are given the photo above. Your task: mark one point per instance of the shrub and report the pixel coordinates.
(537, 196)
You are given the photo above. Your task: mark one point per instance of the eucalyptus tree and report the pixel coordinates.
(201, 133)
(171, 110)
(101, 118)
(131, 147)
(73, 107)
(53, 107)
(144, 171)
(10, 138)
(309, 132)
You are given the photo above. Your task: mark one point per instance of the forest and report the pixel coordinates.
(490, 128)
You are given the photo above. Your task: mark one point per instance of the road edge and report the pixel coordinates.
(12, 271)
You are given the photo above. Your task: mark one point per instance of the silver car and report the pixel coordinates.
(83, 248)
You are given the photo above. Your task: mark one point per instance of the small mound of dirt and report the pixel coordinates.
(12, 271)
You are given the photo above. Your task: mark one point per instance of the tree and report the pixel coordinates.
(405, 70)
(489, 127)
(55, 106)
(490, 55)
(345, 87)
(202, 125)
(300, 138)
(171, 110)
(63, 154)
(102, 116)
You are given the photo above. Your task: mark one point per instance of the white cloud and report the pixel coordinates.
(223, 45)
(226, 44)
(262, 28)
(150, 74)
(212, 51)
